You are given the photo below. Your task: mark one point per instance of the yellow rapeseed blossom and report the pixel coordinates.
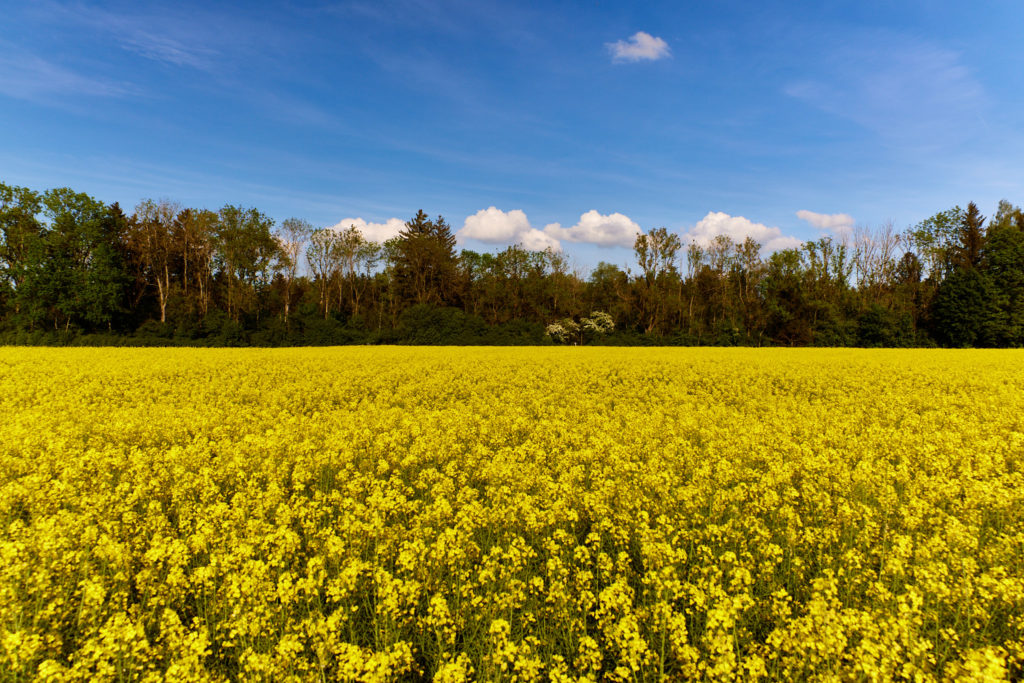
(557, 514)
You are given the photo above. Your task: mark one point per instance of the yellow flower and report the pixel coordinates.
(384, 514)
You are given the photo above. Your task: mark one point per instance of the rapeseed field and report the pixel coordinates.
(562, 514)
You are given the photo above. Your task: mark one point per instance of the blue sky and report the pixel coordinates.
(578, 122)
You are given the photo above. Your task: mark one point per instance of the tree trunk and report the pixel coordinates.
(287, 298)
(163, 300)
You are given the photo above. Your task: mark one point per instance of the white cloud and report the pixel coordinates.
(738, 229)
(613, 230)
(640, 46)
(374, 232)
(494, 226)
(838, 223)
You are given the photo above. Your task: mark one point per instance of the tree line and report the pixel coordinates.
(76, 270)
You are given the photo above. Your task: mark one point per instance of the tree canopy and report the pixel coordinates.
(76, 270)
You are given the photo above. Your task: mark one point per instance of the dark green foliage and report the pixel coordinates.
(72, 270)
(425, 264)
(20, 231)
(431, 325)
(966, 311)
(786, 300)
(972, 238)
(1004, 262)
(881, 327)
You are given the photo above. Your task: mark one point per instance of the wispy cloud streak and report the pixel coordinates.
(909, 91)
(27, 77)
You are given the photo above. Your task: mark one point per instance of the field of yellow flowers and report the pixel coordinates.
(562, 514)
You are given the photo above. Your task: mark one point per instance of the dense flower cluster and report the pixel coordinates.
(563, 514)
